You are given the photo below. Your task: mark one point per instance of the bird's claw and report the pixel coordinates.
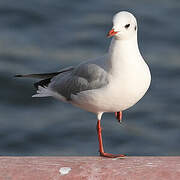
(109, 155)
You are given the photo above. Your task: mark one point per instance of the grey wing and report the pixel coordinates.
(85, 77)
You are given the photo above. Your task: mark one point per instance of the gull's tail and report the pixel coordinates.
(43, 92)
(42, 85)
(46, 91)
(46, 77)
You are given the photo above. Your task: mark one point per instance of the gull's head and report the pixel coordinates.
(124, 26)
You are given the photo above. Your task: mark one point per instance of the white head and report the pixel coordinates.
(124, 26)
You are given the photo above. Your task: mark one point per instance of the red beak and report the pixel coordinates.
(111, 33)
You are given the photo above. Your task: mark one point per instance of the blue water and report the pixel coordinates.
(44, 36)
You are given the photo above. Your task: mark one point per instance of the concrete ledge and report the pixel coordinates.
(90, 168)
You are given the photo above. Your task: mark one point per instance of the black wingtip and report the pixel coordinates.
(18, 75)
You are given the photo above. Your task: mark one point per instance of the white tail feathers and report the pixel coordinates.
(45, 92)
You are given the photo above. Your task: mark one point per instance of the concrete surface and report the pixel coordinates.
(89, 168)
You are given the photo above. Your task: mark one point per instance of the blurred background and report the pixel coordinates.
(40, 36)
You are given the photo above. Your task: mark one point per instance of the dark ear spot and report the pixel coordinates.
(135, 28)
(127, 25)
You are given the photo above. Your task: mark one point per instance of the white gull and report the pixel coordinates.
(111, 83)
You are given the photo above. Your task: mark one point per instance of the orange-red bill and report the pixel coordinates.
(111, 33)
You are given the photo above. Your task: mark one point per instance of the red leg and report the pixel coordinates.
(119, 116)
(101, 149)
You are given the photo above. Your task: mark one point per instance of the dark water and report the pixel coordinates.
(44, 36)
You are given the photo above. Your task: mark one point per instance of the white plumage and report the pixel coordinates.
(126, 74)
(111, 83)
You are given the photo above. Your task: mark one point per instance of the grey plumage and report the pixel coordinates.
(39, 76)
(44, 75)
(87, 76)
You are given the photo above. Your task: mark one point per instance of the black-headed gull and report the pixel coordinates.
(111, 83)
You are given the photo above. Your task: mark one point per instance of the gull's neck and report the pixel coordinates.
(122, 52)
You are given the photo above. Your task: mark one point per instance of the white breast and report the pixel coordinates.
(130, 85)
(129, 79)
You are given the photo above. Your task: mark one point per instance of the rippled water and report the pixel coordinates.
(44, 36)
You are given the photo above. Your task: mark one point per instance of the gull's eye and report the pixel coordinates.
(127, 25)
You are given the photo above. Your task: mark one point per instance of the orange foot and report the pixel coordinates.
(109, 155)
(101, 149)
(119, 116)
